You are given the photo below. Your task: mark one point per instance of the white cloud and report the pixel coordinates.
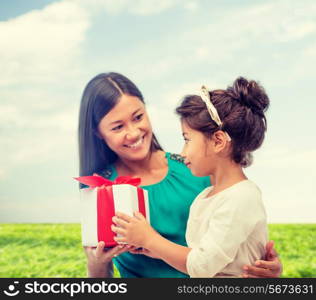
(220, 40)
(191, 5)
(245, 27)
(304, 64)
(39, 53)
(145, 7)
(64, 121)
(274, 19)
(35, 138)
(16, 117)
(41, 50)
(286, 178)
(280, 157)
(136, 7)
(300, 29)
(2, 174)
(40, 46)
(310, 51)
(9, 114)
(36, 147)
(175, 93)
(162, 119)
(61, 209)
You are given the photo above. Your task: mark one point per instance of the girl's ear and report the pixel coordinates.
(220, 140)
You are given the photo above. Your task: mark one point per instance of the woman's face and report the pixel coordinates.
(126, 129)
(197, 151)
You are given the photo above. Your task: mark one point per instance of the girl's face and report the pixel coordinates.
(126, 129)
(197, 151)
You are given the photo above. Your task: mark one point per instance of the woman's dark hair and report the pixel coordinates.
(99, 96)
(241, 108)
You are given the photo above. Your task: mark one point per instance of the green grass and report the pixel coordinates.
(296, 245)
(54, 250)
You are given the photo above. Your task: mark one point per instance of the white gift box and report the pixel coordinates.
(99, 205)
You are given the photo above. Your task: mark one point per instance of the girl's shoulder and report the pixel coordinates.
(244, 194)
(245, 189)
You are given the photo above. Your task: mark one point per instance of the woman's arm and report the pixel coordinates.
(137, 232)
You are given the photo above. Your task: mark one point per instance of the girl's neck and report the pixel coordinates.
(225, 175)
(154, 160)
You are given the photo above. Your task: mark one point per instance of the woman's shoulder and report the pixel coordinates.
(175, 157)
(175, 160)
(176, 163)
(177, 167)
(107, 173)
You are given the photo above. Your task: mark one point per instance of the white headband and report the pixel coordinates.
(205, 95)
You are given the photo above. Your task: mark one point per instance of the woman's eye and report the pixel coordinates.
(186, 141)
(139, 117)
(117, 127)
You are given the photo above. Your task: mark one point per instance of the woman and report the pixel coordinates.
(116, 139)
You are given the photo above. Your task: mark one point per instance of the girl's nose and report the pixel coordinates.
(183, 152)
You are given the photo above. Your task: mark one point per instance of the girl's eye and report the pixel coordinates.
(186, 141)
(139, 117)
(117, 127)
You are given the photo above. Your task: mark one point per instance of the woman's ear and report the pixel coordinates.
(96, 132)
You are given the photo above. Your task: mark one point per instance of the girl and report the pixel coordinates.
(116, 139)
(227, 225)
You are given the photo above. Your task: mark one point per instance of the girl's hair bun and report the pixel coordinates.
(250, 94)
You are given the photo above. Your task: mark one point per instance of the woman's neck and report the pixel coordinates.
(154, 160)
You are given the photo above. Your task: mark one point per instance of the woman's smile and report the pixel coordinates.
(137, 144)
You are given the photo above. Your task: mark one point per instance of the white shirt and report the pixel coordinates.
(226, 231)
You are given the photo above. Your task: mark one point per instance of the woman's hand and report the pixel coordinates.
(135, 231)
(271, 267)
(99, 261)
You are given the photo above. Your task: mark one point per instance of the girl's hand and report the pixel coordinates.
(135, 231)
(269, 268)
(143, 251)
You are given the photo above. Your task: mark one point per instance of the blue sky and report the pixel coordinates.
(49, 50)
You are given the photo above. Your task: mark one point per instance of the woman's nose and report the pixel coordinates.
(133, 133)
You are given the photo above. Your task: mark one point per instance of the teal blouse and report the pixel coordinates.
(169, 203)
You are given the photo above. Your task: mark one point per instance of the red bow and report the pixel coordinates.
(99, 181)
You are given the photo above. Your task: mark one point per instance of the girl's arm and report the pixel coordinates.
(137, 232)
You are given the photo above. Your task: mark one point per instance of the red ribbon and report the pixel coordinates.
(99, 181)
(105, 212)
(105, 202)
